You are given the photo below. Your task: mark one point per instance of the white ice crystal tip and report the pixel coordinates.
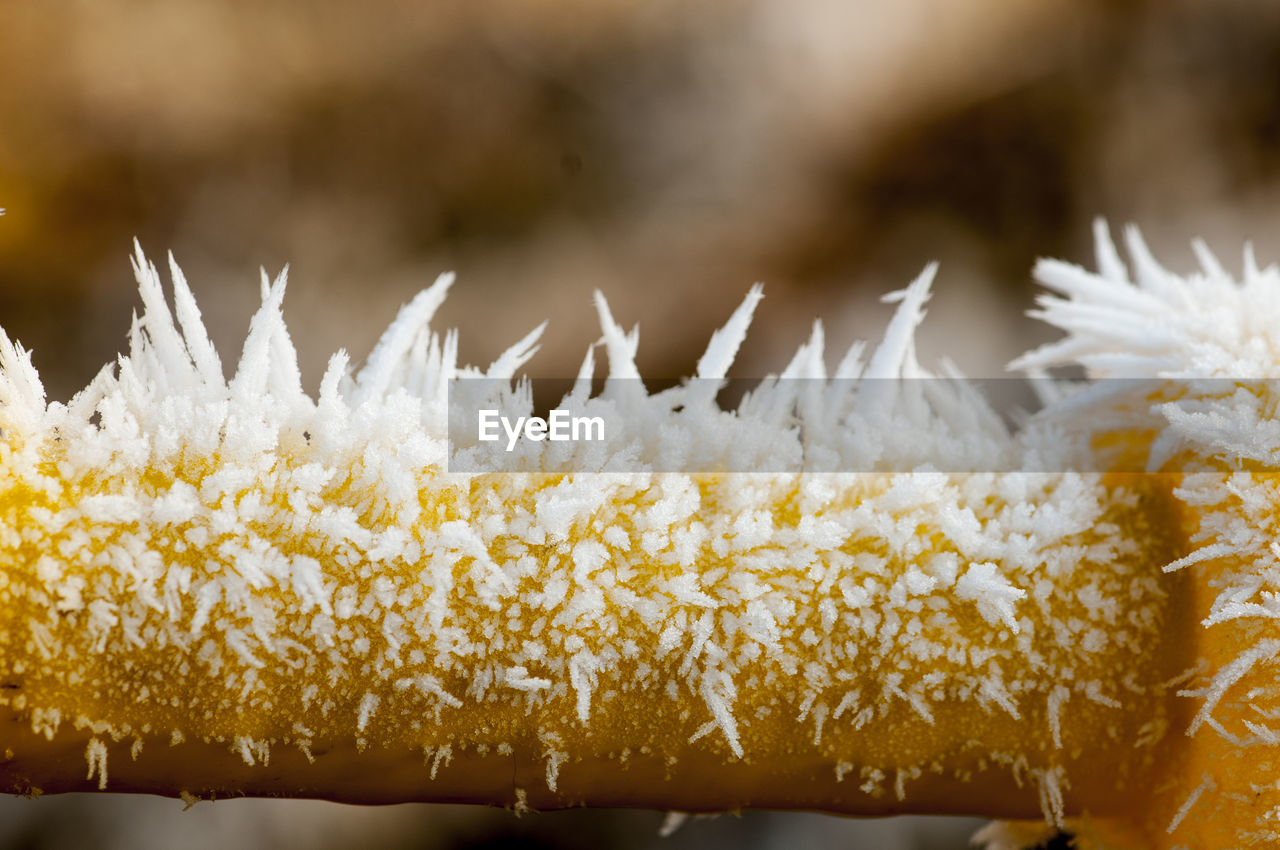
(1156, 324)
(725, 342)
(619, 345)
(895, 358)
(392, 353)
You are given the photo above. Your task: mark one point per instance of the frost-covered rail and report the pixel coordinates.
(223, 587)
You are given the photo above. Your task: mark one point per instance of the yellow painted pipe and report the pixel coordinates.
(214, 588)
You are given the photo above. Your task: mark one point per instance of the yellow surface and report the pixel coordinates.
(757, 619)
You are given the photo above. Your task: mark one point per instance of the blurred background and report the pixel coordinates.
(667, 153)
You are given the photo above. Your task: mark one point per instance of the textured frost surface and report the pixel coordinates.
(1219, 338)
(238, 562)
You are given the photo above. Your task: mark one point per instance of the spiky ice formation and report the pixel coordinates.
(188, 558)
(1212, 419)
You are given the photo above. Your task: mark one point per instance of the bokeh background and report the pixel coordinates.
(667, 153)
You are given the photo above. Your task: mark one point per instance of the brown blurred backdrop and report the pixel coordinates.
(667, 153)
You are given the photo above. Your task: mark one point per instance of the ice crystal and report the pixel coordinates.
(234, 561)
(1214, 344)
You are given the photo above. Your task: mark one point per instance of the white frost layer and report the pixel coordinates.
(1216, 342)
(1213, 339)
(265, 538)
